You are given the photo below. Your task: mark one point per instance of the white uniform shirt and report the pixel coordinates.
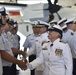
(29, 41)
(68, 35)
(73, 45)
(57, 59)
(7, 47)
(1, 48)
(13, 39)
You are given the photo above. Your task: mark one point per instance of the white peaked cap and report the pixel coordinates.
(65, 26)
(70, 21)
(53, 21)
(43, 23)
(56, 28)
(26, 21)
(62, 20)
(34, 22)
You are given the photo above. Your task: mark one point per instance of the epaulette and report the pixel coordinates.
(39, 35)
(44, 42)
(45, 48)
(72, 33)
(63, 41)
(28, 35)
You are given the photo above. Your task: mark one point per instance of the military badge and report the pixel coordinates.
(63, 41)
(58, 52)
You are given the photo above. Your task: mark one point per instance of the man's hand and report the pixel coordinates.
(22, 65)
(24, 54)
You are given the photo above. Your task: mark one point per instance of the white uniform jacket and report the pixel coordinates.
(57, 59)
(37, 48)
(73, 45)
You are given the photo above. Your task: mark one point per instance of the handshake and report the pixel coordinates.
(23, 62)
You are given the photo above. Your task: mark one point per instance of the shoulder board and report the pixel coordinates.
(72, 33)
(45, 42)
(45, 48)
(29, 35)
(63, 41)
(39, 35)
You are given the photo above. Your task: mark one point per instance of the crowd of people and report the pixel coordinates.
(52, 49)
(53, 44)
(9, 45)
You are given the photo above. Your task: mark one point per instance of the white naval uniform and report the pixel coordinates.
(37, 44)
(7, 47)
(73, 45)
(36, 49)
(67, 36)
(1, 48)
(57, 59)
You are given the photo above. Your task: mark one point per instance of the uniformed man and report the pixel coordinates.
(14, 38)
(72, 44)
(1, 47)
(37, 46)
(4, 55)
(71, 30)
(30, 41)
(63, 25)
(8, 48)
(56, 55)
